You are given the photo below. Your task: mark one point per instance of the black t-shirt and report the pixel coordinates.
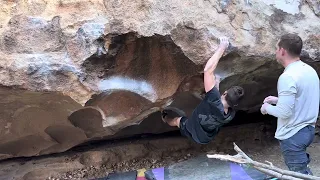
(207, 118)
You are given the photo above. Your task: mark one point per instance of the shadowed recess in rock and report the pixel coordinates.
(150, 125)
(254, 81)
(152, 66)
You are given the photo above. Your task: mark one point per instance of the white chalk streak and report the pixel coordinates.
(142, 88)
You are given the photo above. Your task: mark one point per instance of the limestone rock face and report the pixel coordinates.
(33, 123)
(315, 5)
(75, 71)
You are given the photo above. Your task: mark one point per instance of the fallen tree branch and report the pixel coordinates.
(276, 174)
(242, 158)
(270, 163)
(276, 169)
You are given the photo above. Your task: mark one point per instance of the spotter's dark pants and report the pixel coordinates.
(294, 150)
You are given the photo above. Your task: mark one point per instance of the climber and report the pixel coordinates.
(214, 111)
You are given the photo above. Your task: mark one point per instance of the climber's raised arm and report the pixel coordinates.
(209, 78)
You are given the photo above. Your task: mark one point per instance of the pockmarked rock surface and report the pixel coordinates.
(76, 71)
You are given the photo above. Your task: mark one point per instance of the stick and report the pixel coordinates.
(284, 172)
(239, 151)
(242, 158)
(277, 175)
(270, 163)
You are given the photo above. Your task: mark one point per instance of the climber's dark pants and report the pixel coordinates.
(294, 150)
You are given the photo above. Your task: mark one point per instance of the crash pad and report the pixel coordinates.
(196, 168)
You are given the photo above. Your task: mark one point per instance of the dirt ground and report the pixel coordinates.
(99, 159)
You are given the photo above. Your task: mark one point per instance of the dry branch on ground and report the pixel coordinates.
(270, 169)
